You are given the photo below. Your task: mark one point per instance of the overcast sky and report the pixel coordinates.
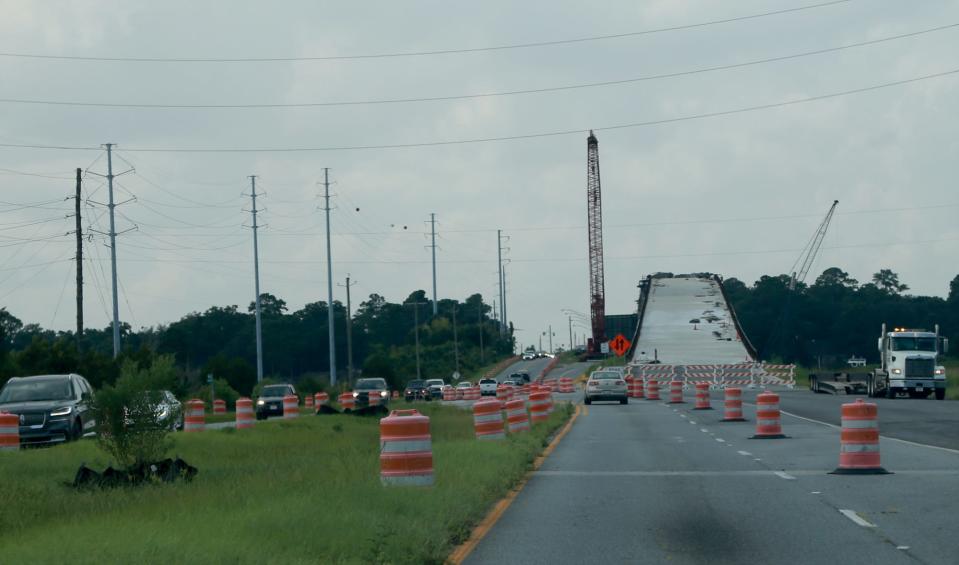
(738, 195)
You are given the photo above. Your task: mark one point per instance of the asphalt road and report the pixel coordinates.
(653, 483)
(534, 368)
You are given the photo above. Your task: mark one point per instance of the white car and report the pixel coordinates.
(464, 385)
(487, 387)
(606, 385)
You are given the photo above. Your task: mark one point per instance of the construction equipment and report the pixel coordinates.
(594, 212)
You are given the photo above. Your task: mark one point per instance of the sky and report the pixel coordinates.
(684, 190)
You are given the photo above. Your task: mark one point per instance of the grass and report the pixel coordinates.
(295, 491)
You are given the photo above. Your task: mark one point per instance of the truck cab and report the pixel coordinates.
(909, 364)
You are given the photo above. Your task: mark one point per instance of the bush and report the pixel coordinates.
(221, 389)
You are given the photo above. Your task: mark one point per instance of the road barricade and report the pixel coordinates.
(320, 399)
(346, 401)
(516, 416)
(859, 440)
(566, 385)
(308, 401)
(195, 418)
(373, 399)
(488, 419)
(9, 432)
(702, 397)
(475, 393)
(244, 413)
(676, 392)
(733, 405)
(291, 407)
(652, 389)
(504, 393)
(459, 394)
(768, 418)
(219, 406)
(539, 406)
(406, 449)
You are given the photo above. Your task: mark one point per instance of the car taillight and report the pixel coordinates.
(620, 382)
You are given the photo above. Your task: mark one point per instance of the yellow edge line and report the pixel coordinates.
(479, 532)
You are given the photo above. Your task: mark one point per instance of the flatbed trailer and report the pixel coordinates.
(843, 382)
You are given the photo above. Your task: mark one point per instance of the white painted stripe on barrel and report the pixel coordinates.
(768, 422)
(406, 446)
(767, 407)
(9, 430)
(859, 424)
(859, 448)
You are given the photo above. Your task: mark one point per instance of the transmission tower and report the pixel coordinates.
(594, 212)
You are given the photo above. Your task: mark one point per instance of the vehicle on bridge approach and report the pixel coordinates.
(908, 364)
(606, 385)
(487, 387)
(364, 389)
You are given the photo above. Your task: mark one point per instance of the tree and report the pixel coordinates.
(888, 281)
(269, 305)
(834, 276)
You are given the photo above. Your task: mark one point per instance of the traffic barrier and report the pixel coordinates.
(459, 394)
(244, 413)
(449, 395)
(504, 393)
(488, 419)
(347, 402)
(195, 419)
(406, 449)
(676, 392)
(516, 416)
(526, 389)
(291, 407)
(475, 393)
(640, 389)
(630, 386)
(373, 399)
(9, 432)
(733, 403)
(553, 385)
(566, 385)
(539, 406)
(859, 440)
(320, 399)
(768, 425)
(702, 397)
(652, 389)
(219, 406)
(308, 401)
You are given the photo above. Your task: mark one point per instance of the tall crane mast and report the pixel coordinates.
(812, 249)
(594, 212)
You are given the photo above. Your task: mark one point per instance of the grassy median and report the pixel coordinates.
(298, 491)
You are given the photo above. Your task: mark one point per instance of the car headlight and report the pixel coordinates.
(897, 371)
(384, 394)
(940, 371)
(260, 403)
(164, 413)
(356, 395)
(65, 411)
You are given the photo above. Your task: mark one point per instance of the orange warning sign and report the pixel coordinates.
(619, 345)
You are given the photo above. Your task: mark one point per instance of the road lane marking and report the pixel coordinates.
(746, 453)
(785, 475)
(902, 547)
(720, 440)
(704, 430)
(693, 422)
(856, 518)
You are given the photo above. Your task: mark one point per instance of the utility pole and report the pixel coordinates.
(551, 338)
(571, 343)
(329, 278)
(499, 263)
(481, 331)
(113, 253)
(79, 234)
(349, 331)
(256, 279)
(456, 343)
(416, 331)
(433, 246)
(503, 303)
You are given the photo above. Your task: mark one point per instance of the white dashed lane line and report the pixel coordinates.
(785, 475)
(856, 518)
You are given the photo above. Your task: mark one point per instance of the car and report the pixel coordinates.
(487, 387)
(52, 408)
(435, 387)
(516, 383)
(521, 376)
(465, 385)
(365, 388)
(416, 390)
(606, 385)
(270, 401)
(528, 356)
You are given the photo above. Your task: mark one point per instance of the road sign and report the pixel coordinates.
(604, 347)
(456, 375)
(619, 345)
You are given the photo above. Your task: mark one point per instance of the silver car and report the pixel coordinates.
(606, 385)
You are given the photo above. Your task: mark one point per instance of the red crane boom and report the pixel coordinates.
(594, 212)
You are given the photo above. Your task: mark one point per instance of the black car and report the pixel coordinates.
(270, 401)
(521, 377)
(416, 390)
(52, 408)
(365, 388)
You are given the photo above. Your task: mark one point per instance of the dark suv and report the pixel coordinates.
(270, 401)
(52, 408)
(416, 390)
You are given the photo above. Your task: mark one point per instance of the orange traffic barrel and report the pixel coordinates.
(244, 413)
(566, 385)
(291, 407)
(516, 416)
(488, 419)
(9, 432)
(475, 393)
(652, 389)
(733, 405)
(526, 389)
(640, 384)
(459, 394)
(319, 399)
(504, 393)
(702, 397)
(195, 418)
(219, 406)
(308, 401)
(539, 406)
(676, 392)
(347, 402)
(449, 395)
(859, 440)
(768, 425)
(630, 386)
(406, 449)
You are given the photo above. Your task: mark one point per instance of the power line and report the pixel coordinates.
(413, 145)
(544, 90)
(422, 53)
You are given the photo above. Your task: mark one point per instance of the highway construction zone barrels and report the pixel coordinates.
(859, 440)
(539, 402)
(475, 393)
(768, 423)
(459, 394)
(195, 418)
(702, 397)
(516, 416)
(488, 419)
(346, 401)
(652, 389)
(291, 407)
(244, 413)
(526, 389)
(406, 449)
(219, 406)
(504, 394)
(320, 399)
(675, 392)
(308, 401)
(449, 395)
(566, 385)
(640, 387)
(631, 384)
(553, 384)
(733, 405)
(9, 432)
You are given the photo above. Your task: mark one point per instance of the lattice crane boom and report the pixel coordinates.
(594, 212)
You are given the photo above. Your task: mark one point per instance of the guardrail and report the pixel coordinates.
(719, 376)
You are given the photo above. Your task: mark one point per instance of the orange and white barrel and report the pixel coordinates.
(219, 406)
(308, 401)
(652, 389)
(733, 404)
(244, 413)
(488, 419)
(319, 399)
(291, 407)
(859, 440)
(449, 395)
(503, 394)
(630, 386)
(195, 418)
(702, 397)
(459, 394)
(516, 416)
(539, 406)
(374, 399)
(346, 401)
(566, 385)
(526, 389)
(553, 385)
(406, 449)
(768, 418)
(9, 432)
(676, 392)
(475, 393)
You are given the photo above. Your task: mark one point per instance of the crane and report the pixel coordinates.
(594, 213)
(809, 253)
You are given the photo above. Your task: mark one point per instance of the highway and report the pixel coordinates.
(655, 483)
(534, 368)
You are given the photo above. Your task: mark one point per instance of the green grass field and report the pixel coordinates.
(299, 491)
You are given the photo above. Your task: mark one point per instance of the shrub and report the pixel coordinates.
(221, 389)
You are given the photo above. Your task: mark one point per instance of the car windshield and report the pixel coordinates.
(370, 384)
(415, 384)
(434, 382)
(34, 390)
(913, 344)
(278, 390)
(463, 385)
(488, 382)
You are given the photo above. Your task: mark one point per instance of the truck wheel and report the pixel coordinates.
(871, 386)
(940, 394)
(890, 392)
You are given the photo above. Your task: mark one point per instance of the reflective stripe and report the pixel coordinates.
(12, 430)
(767, 422)
(411, 446)
(487, 418)
(860, 424)
(767, 407)
(858, 447)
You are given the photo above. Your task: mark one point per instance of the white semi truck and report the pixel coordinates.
(909, 364)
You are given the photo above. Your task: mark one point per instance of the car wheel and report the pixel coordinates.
(940, 394)
(890, 392)
(624, 400)
(587, 400)
(76, 431)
